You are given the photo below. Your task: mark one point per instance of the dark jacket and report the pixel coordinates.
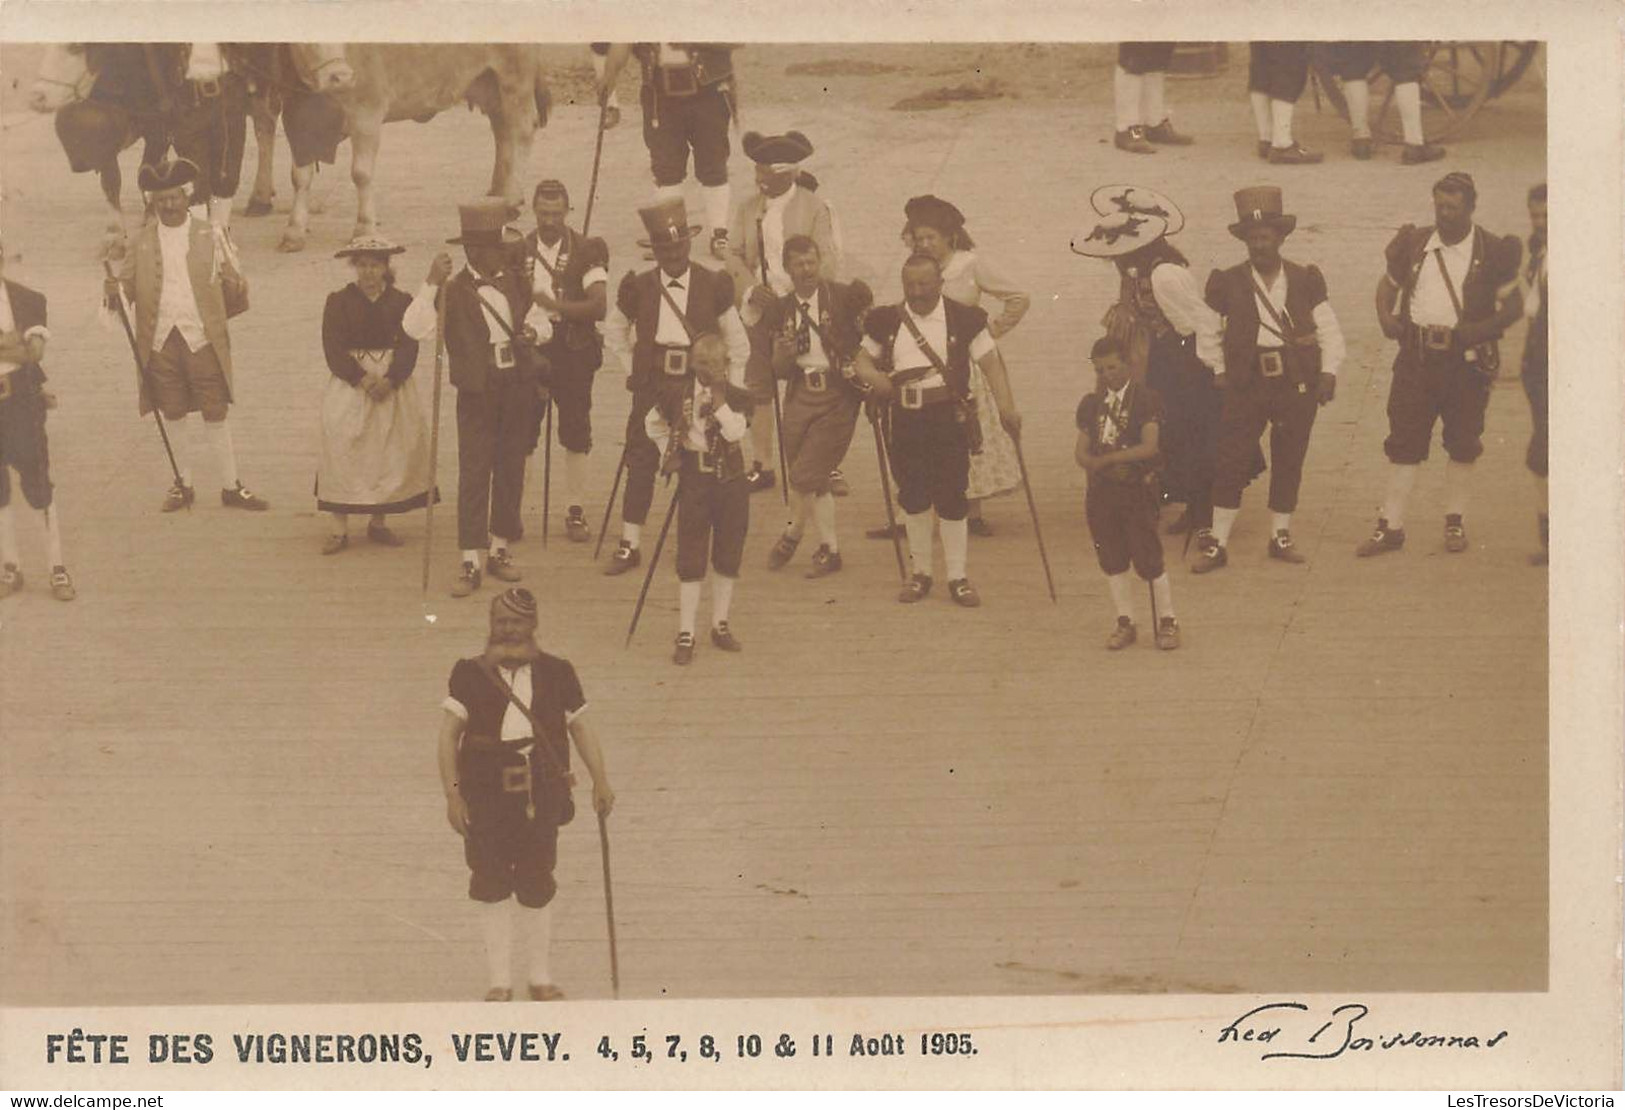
(351, 322)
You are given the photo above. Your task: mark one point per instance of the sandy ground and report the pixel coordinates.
(217, 779)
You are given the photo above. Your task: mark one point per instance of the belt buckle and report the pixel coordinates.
(1436, 337)
(912, 396)
(5, 387)
(207, 90)
(503, 353)
(516, 778)
(817, 380)
(674, 361)
(1271, 364)
(705, 463)
(678, 80)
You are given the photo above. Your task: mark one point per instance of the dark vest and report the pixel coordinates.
(709, 294)
(27, 311)
(841, 308)
(1231, 294)
(1494, 264)
(712, 63)
(964, 324)
(579, 255)
(487, 705)
(468, 336)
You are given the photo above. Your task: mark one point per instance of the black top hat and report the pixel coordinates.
(485, 224)
(1260, 206)
(171, 173)
(771, 150)
(667, 222)
(930, 211)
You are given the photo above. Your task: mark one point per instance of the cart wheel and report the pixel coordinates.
(1515, 59)
(1456, 82)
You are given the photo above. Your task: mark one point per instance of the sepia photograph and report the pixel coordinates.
(1037, 520)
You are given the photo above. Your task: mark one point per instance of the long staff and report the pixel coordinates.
(649, 576)
(1032, 507)
(597, 156)
(885, 490)
(773, 381)
(434, 436)
(547, 468)
(609, 908)
(146, 383)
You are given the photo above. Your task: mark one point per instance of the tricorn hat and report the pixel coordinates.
(485, 224)
(776, 150)
(368, 244)
(667, 222)
(1137, 200)
(171, 173)
(1115, 236)
(1260, 206)
(932, 211)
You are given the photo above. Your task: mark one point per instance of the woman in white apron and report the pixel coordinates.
(375, 440)
(938, 229)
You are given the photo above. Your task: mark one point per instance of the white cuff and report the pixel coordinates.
(40, 330)
(571, 715)
(455, 708)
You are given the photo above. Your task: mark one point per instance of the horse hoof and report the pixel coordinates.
(291, 243)
(258, 208)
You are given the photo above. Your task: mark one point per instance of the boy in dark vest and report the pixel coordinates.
(924, 346)
(688, 102)
(23, 446)
(1535, 357)
(504, 757)
(1282, 350)
(1118, 428)
(698, 424)
(1449, 292)
(501, 383)
(815, 330)
(657, 316)
(569, 280)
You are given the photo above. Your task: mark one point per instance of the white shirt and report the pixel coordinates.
(815, 358)
(205, 63)
(619, 329)
(545, 281)
(1328, 332)
(906, 354)
(673, 55)
(1180, 301)
(8, 323)
(731, 424)
(177, 304)
(420, 317)
(1430, 301)
(515, 725)
(1110, 432)
(773, 241)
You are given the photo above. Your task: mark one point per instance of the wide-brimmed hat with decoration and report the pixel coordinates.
(1260, 206)
(485, 224)
(667, 222)
(1115, 236)
(375, 245)
(933, 211)
(1137, 200)
(776, 150)
(171, 173)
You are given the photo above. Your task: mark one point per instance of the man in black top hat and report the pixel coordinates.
(1449, 292)
(785, 205)
(501, 382)
(23, 446)
(182, 278)
(656, 317)
(1282, 349)
(569, 279)
(505, 770)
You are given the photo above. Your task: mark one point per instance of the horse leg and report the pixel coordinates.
(264, 115)
(112, 180)
(293, 235)
(364, 141)
(502, 173)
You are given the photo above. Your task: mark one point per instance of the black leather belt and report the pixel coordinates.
(915, 396)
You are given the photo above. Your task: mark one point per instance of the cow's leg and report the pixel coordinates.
(502, 168)
(364, 142)
(264, 114)
(112, 179)
(293, 236)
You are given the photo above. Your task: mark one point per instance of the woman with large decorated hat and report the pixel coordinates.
(375, 440)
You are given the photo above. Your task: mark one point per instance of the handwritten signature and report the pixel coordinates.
(1279, 1027)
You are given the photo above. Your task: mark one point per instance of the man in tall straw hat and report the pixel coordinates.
(184, 282)
(1282, 350)
(651, 329)
(501, 382)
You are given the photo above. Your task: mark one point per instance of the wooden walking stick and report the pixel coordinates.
(1032, 507)
(141, 372)
(649, 576)
(597, 156)
(609, 907)
(773, 381)
(885, 491)
(547, 468)
(434, 435)
(615, 487)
